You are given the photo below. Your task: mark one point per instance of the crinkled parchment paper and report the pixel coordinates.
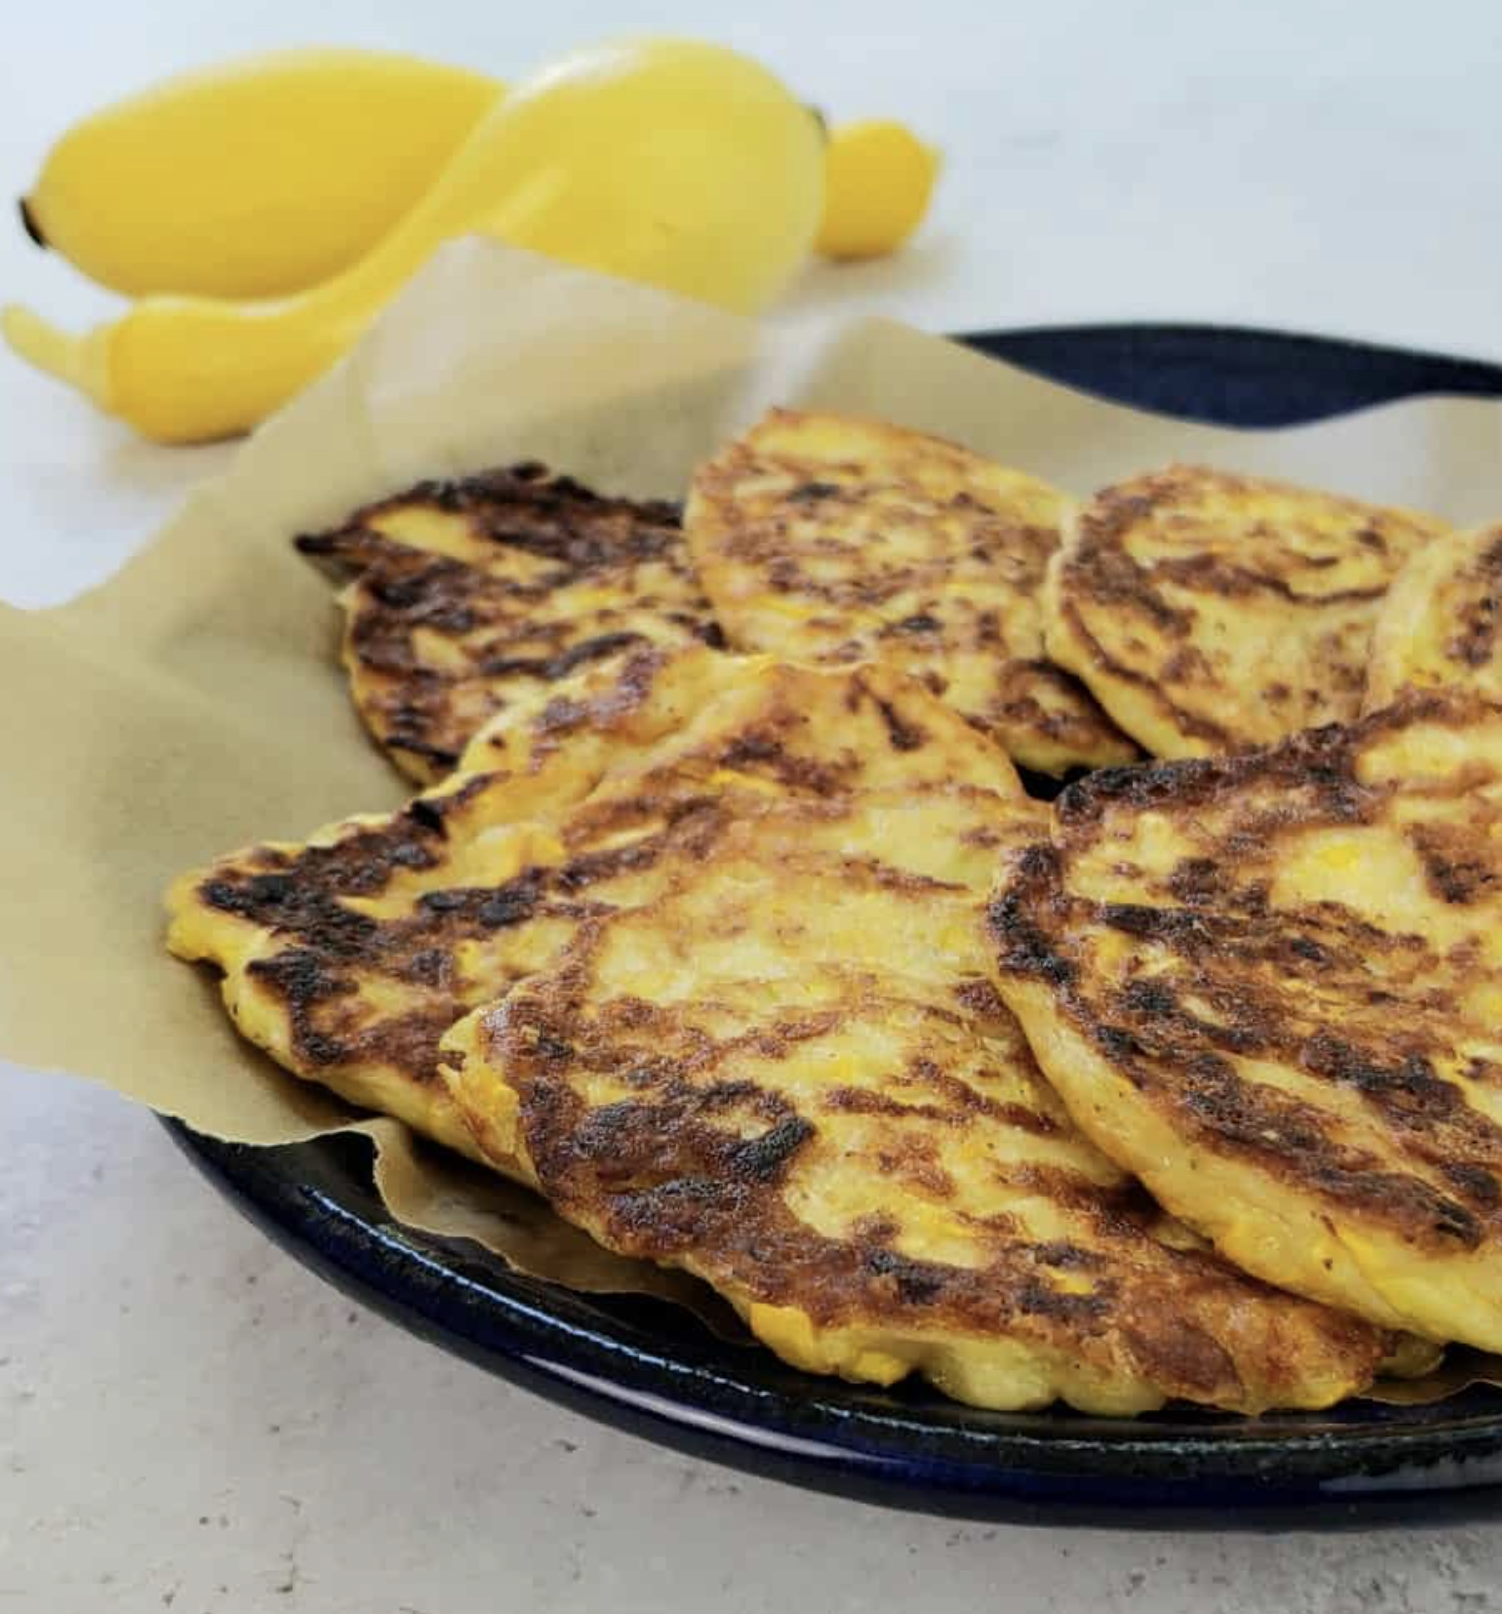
(193, 703)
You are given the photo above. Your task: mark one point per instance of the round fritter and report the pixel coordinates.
(347, 958)
(1213, 613)
(467, 596)
(1442, 621)
(828, 539)
(1271, 986)
(788, 1075)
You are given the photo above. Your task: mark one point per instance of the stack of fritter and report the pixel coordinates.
(760, 962)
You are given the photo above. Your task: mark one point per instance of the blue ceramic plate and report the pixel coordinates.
(651, 1367)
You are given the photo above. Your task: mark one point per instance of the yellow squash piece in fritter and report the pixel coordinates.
(1441, 623)
(1211, 613)
(829, 539)
(788, 1075)
(467, 597)
(1271, 986)
(347, 958)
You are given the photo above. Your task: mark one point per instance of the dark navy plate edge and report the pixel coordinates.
(1044, 1479)
(1227, 375)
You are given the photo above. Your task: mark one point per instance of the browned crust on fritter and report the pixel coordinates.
(1266, 973)
(326, 947)
(504, 631)
(1034, 697)
(1099, 574)
(693, 1169)
(523, 507)
(1200, 727)
(327, 951)
(906, 610)
(351, 991)
(1479, 620)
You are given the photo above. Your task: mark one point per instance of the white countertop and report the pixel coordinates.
(188, 1420)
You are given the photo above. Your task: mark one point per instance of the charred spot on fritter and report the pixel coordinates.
(1260, 974)
(1212, 613)
(838, 541)
(510, 579)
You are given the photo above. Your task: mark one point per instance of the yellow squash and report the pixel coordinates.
(878, 178)
(678, 164)
(255, 178)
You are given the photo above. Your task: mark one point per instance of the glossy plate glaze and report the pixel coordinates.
(650, 1367)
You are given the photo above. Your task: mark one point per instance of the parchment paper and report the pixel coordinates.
(193, 702)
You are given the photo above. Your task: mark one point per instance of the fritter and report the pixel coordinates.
(465, 597)
(1212, 613)
(348, 957)
(834, 540)
(787, 1074)
(1269, 986)
(1441, 623)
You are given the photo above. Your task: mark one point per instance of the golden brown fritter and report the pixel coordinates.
(1211, 613)
(465, 597)
(1441, 624)
(787, 1074)
(835, 540)
(1270, 987)
(348, 957)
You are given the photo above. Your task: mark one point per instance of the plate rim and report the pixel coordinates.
(464, 1299)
